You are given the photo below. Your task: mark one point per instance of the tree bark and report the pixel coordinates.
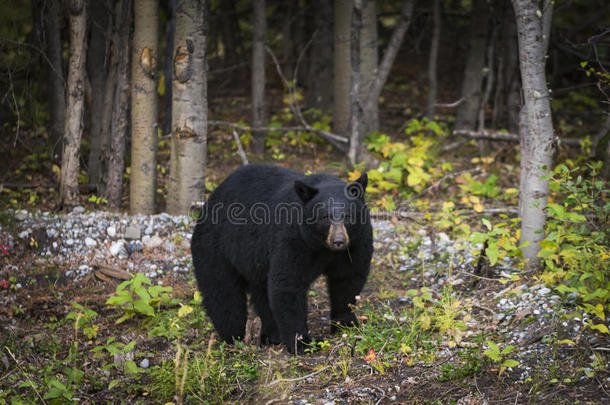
(467, 112)
(56, 84)
(144, 120)
(320, 71)
(73, 132)
(356, 110)
(120, 114)
(390, 53)
(342, 67)
(432, 61)
(189, 122)
(229, 29)
(170, 29)
(537, 136)
(258, 75)
(368, 65)
(97, 69)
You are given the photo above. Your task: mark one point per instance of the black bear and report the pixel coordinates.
(270, 232)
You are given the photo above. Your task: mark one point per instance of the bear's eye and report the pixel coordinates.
(324, 217)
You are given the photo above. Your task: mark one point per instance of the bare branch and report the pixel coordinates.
(240, 148)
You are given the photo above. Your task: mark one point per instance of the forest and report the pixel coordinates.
(483, 127)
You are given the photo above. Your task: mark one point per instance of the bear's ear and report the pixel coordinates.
(363, 180)
(305, 191)
(357, 188)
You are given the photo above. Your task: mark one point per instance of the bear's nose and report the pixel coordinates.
(339, 244)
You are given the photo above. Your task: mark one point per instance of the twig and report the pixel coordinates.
(240, 148)
(26, 375)
(481, 277)
(450, 105)
(279, 380)
(508, 137)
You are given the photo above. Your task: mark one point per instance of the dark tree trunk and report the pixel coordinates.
(258, 75)
(46, 24)
(320, 73)
(467, 112)
(229, 29)
(369, 61)
(433, 59)
(120, 114)
(341, 67)
(97, 69)
(355, 143)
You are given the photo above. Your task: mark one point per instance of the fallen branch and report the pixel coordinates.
(279, 380)
(322, 133)
(240, 148)
(507, 137)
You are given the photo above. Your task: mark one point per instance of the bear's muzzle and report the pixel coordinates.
(337, 238)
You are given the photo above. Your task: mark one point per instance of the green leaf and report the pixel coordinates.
(492, 252)
(487, 223)
(113, 383)
(510, 363)
(143, 308)
(132, 367)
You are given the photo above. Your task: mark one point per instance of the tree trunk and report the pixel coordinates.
(390, 54)
(537, 141)
(258, 75)
(511, 73)
(368, 65)
(229, 29)
(341, 67)
(97, 69)
(466, 117)
(432, 61)
(144, 124)
(170, 29)
(356, 110)
(73, 132)
(190, 108)
(56, 99)
(120, 114)
(320, 72)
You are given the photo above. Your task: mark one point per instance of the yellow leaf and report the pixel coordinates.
(351, 176)
(184, 311)
(56, 170)
(511, 190)
(478, 207)
(474, 199)
(566, 342)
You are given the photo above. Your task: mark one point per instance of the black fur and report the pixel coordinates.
(245, 242)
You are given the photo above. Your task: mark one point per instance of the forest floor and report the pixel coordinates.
(52, 261)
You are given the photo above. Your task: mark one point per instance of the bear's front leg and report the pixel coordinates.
(288, 301)
(345, 279)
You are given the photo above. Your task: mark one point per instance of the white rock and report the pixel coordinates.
(132, 232)
(144, 363)
(78, 210)
(544, 291)
(90, 242)
(154, 242)
(70, 242)
(118, 247)
(21, 215)
(111, 231)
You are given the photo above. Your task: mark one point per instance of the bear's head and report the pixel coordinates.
(334, 211)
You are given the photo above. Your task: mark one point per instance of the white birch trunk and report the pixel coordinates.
(144, 118)
(537, 131)
(190, 108)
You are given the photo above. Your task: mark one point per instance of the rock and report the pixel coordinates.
(24, 234)
(78, 210)
(70, 242)
(51, 232)
(132, 232)
(148, 230)
(90, 242)
(154, 242)
(544, 291)
(21, 215)
(133, 247)
(144, 363)
(118, 247)
(111, 231)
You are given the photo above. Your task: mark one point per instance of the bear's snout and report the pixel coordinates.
(337, 239)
